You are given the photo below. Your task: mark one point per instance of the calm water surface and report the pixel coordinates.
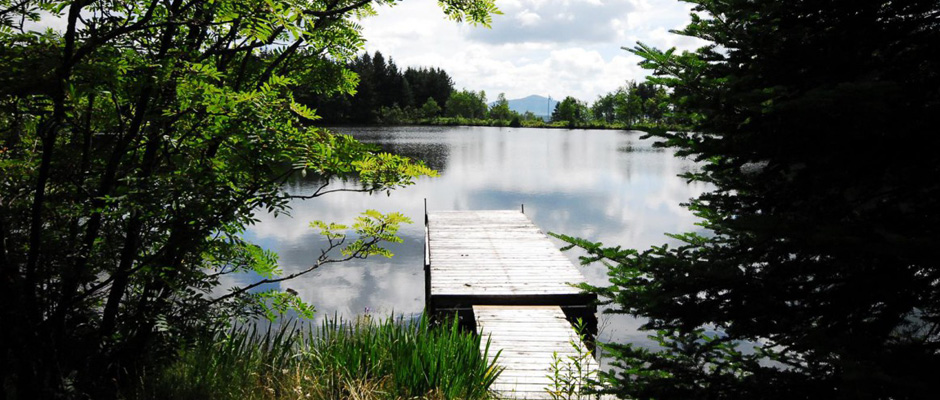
(607, 186)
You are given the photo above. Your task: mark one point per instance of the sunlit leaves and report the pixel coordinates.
(383, 171)
(229, 253)
(474, 12)
(340, 156)
(369, 229)
(303, 111)
(276, 303)
(330, 230)
(376, 227)
(138, 140)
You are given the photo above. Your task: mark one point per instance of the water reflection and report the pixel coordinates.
(607, 186)
(416, 142)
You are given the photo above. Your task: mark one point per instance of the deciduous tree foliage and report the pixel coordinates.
(430, 109)
(466, 104)
(571, 110)
(499, 110)
(135, 143)
(818, 277)
(632, 103)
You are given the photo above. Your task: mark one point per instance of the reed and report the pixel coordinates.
(360, 359)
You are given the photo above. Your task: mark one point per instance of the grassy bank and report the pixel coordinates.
(391, 359)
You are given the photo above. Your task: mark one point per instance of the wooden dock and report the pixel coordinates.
(496, 258)
(504, 277)
(533, 339)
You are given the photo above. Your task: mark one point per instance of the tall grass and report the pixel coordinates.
(362, 359)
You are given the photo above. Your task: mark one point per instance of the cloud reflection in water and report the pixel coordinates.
(607, 186)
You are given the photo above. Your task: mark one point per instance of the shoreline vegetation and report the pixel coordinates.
(538, 123)
(365, 358)
(388, 95)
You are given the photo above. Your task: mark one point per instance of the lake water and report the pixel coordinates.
(600, 185)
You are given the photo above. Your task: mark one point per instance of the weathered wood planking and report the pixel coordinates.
(495, 257)
(499, 265)
(528, 338)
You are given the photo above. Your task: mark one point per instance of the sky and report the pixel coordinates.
(545, 47)
(551, 48)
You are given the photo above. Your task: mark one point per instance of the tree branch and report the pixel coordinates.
(322, 260)
(319, 193)
(329, 12)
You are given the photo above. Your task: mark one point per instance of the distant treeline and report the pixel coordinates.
(631, 105)
(382, 88)
(387, 95)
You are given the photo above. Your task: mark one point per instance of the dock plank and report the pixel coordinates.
(475, 255)
(504, 269)
(527, 362)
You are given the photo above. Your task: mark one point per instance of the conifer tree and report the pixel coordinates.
(818, 277)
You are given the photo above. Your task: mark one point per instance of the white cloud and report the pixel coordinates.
(528, 18)
(563, 22)
(605, 186)
(557, 48)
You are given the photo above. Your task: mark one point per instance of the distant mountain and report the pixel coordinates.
(539, 105)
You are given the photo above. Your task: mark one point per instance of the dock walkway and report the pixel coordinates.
(500, 267)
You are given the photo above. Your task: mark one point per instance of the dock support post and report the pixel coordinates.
(428, 305)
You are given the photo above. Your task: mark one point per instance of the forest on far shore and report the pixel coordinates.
(388, 95)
